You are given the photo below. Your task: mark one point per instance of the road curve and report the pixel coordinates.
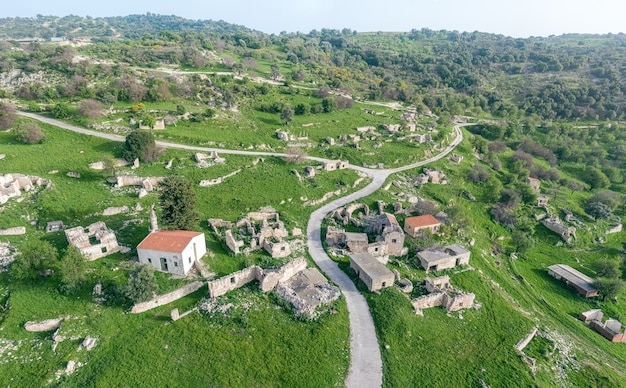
(366, 367)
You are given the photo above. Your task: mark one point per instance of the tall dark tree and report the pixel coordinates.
(287, 115)
(140, 144)
(609, 288)
(141, 284)
(178, 203)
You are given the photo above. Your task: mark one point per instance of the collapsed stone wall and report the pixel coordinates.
(161, 300)
(428, 301)
(271, 278)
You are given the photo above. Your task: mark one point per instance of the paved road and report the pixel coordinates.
(366, 366)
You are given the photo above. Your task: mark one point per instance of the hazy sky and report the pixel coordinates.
(514, 18)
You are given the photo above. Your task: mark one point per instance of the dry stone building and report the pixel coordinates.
(95, 241)
(372, 272)
(414, 226)
(438, 258)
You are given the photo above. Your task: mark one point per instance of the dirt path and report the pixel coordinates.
(366, 366)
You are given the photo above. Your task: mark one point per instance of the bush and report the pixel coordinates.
(599, 210)
(29, 133)
(478, 174)
(140, 144)
(141, 285)
(7, 115)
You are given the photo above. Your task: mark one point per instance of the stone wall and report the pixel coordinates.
(460, 301)
(234, 280)
(526, 340)
(161, 300)
(13, 231)
(428, 301)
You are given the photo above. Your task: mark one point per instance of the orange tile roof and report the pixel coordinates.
(422, 221)
(168, 240)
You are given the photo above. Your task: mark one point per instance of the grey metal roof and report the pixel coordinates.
(573, 276)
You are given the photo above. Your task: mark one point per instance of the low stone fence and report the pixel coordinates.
(234, 280)
(161, 300)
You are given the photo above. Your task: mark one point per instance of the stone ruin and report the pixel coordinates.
(432, 176)
(95, 241)
(344, 214)
(305, 288)
(203, 159)
(332, 165)
(217, 181)
(441, 293)
(54, 226)
(286, 136)
(263, 230)
(555, 224)
(11, 185)
(147, 184)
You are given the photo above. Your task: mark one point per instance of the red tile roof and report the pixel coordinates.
(168, 240)
(422, 221)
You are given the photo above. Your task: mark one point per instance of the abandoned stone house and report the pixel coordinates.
(441, 293)
(332, 165)
(173, 251)
(94, 241)
(456, 158)
(555, 224)
(11, 185)
(371, 271)
(349, 242)
(612, 329)
(542, 201)
(581, 282)
(268, 235)
(432, 176)
(438, 258)
(418, 225)
(390, 233)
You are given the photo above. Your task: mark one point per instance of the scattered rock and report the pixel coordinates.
(2, 156)
(135, 164)
(73, 174)
(142, 193)
(169, 164)
(89, 343)
(46, 325)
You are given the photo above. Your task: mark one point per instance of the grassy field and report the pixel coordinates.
(257, 344)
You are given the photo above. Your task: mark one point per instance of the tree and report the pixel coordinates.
(609, 288)
(178, 203)
(29, 133)
(521, 241)
(607, 268)
(73, 268)
(91, 109)
(287, 115)
(275, 71)
(140, 144)
(61, 111)
(596, 178)
(37, 258)
(141, 285)
(7, 115)
(329, 105)
(599, 210)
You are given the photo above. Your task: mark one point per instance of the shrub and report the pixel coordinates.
(141, 285)
(29, 133)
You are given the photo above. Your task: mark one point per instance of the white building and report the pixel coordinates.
(173, 251)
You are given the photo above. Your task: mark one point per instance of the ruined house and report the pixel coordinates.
(612, 329)
(438, 258)
(391, 128)
(11, 185)
(555, 224)
(173, 251)
(332, 165)
(441, 293)
(94, 241)
(356, 242)
(389, 231)
(456, 158)
(542, 201)
(581, 282)
(372, 272)
(344, 242)
(267, 235)
(415, 226)
(432, 176)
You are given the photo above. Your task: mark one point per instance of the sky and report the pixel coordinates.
(513, 18)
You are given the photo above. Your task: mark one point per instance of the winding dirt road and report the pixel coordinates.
(366, 367)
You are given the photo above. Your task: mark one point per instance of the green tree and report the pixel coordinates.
(609, 288)
(141, 285)
(61, 111)
(596, 178)
(521, 241)
(329, 105)
(140, 144)
(607, 268)
(178, 203)
(147, 120)
(275, 71)
(599, 210)
(287, 115)
(37, 258)
(73, 269)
